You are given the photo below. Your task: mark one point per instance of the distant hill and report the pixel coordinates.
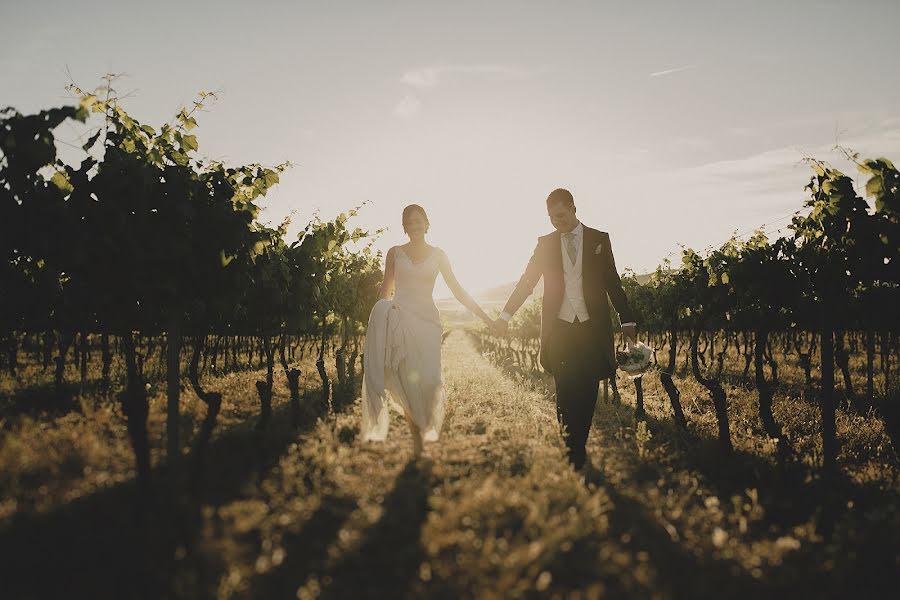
(496, 297)
(490, 299)
(501, 293)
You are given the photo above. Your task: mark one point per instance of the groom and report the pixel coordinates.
(577, 345)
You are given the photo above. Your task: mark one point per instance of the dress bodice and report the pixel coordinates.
(414, 284)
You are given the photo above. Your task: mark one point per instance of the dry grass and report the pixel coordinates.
(491, 511)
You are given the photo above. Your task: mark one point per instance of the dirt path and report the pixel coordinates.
(493, 510)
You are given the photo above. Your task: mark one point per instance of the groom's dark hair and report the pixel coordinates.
(560, 196)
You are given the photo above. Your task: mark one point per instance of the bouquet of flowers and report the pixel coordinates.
(635, 359)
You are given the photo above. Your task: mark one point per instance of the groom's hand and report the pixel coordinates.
(630, 332)
(500, 327)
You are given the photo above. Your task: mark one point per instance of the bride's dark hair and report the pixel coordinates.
(408, 212)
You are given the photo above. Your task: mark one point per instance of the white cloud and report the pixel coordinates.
(430, 77)
(762, 188)
(408, 107)
(741, 131)
(672, 71)
(782, 163)
(427, 77)
(687, 142)
(421, 78)
(884, 141)
(764, 165)
(630, 156)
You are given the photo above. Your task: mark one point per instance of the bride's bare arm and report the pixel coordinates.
(458, 292)
(387, 284)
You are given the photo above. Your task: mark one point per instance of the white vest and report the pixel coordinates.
(573, 304)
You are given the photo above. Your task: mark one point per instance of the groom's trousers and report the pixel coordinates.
(576, 384)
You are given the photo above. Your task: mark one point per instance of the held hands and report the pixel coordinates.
(630, 333)
(499, 327)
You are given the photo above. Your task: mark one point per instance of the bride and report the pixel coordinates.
(403, 340)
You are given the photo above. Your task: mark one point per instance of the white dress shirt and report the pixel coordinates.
(573, 304)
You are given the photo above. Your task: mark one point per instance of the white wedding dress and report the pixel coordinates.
(402, 357)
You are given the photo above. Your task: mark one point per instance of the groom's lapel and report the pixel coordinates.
(556, 251)
(588, 250)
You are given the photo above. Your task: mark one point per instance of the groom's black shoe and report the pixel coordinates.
(577, 459)
(590, 475)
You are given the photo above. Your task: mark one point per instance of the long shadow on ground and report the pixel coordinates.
(681, 574)
(305, 550)
(44, 401)
(104, 546)
(388, 558)
(790, 490)
(864, 541)
(792, 494)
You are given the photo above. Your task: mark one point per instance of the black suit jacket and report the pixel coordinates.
(601, 284)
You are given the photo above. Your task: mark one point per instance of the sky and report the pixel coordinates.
(672, 123)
